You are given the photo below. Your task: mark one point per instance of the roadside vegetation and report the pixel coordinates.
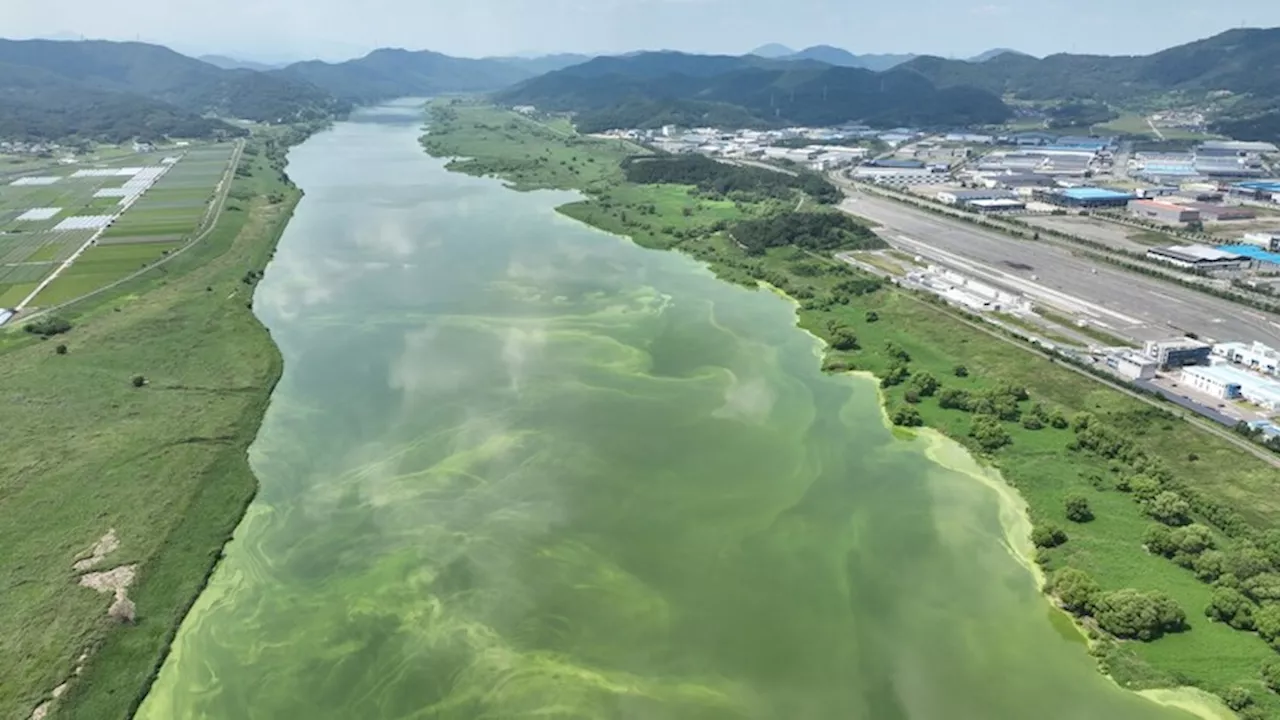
(129, 414)
(1104, 473)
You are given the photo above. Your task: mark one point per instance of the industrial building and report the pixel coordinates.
(1164, 212)
(1256, 189)
(1132, 366)
(1264, 260)
(1084, 197)
(1213, 212)
(896, 177)
(1257, 356)
(1199, 257)
(964, 197)
(1229, 383)
(1085, 143)
(896, 164)
(1269, 241)
(1228, 167)
(1179, 352)
(1233, 148)
(996, 205)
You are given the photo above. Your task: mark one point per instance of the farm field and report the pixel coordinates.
(45, 219)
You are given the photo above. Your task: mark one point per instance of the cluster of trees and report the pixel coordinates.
(1242, 563)
(723, 179)
(825, 231)
(652, 113)
(1126, 613)
(1079, 113)
(48, 326)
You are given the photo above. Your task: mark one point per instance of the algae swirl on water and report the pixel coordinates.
(520, 468)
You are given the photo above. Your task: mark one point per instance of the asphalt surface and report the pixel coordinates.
(1125, 304)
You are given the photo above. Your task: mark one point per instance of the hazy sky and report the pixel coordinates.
(337, 29)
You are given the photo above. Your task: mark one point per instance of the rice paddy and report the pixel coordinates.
(139, 207)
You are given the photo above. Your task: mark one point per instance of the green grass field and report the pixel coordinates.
(1037, 462)
(164, 465)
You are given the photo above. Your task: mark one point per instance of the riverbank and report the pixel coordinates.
(899, 334)
(136, 429)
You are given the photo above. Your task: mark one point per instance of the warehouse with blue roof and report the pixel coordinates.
(1256, 189)
(1085, 197)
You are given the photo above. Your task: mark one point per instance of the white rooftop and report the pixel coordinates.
(45, 213)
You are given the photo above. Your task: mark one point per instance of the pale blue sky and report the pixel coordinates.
(334, 29)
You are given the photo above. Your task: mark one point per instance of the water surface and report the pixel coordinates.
(518, 468)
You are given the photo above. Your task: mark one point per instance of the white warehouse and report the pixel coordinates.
(1257, 356)
(1229, 383)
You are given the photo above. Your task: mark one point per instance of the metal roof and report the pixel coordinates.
(1196, 253)
(1253, 252)
(1095, 193)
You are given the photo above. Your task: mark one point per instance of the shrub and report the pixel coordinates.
(844, 339)
(907, 416)
(1158, 539)
(961, 371)
(1267, 621)
(1231, 607)
(1074, 589)
(1048, 535)
(139, 381)
(1129, 613)
(988, 433)
(1078, 509)
(1169, 508)
(61, 349)
(1270, 674)
(1237, 698)
(872, 316)
(924, 384)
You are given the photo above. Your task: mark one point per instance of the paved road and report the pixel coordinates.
(1130, 305)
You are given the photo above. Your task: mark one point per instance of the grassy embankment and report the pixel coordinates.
(1045, 465)
(164, 465)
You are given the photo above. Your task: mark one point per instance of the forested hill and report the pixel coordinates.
(161, 74)
(391, 73)
(649, 89)
(36, 105)
(1241, 61)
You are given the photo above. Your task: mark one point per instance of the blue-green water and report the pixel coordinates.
(517, 468)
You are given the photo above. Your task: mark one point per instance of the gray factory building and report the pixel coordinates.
(1164, 212)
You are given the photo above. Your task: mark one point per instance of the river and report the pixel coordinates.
(517, 467)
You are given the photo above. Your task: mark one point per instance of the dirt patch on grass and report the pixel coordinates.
(116, 581)
(106, 545)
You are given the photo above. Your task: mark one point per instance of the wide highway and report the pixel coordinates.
(1130, 305)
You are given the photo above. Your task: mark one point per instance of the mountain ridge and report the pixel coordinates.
(650, 89)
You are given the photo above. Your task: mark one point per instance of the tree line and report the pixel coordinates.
(817, 231)
(722, 179)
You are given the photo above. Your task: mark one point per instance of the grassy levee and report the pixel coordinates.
(164, 465)
(1045, 465)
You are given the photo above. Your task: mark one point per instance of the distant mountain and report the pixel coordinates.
(1238, 61)
(230, 63)
(650, 89)
(992, 53)
(772, 50)
(392, 72)
(843, 58)
(540, 64)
